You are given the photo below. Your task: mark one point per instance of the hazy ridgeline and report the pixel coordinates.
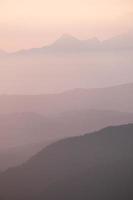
(30, 122)
(94, 166)
(67, 89)
(67, 64)
(66, 100)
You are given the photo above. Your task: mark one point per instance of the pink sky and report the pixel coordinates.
(34, 23)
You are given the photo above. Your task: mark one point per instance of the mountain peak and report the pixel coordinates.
(67, 36)
(67, 39)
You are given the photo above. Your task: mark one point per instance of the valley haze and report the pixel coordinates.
(66, 64)
(66, 100)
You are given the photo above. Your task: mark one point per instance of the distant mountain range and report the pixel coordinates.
(95, 166)
(30, 122)
(35, 114)
(124, 42)
(117, 98)
(66, 64)
(24, 134)
(68, 44)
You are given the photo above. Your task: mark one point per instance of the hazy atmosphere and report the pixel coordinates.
(66, 100)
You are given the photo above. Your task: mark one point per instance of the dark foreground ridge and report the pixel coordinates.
(97, 166)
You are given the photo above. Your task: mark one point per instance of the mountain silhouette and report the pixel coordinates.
(24, 134)
(93, 166)
(66, 64)
(120, 42)
(65, 44)
(68, 44)
(117, 98)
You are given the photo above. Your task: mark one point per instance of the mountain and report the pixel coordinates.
(120, 42)
(68, 44)
(66, 64)
(67, 41)
(21, 128)
(17, 155)
(95, 166)
(65, 44)
(24, 134)
(117, 98)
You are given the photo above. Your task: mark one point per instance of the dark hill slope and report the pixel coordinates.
(22, 135)
(94, 166)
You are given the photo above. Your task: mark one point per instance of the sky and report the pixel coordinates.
(35, 23)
